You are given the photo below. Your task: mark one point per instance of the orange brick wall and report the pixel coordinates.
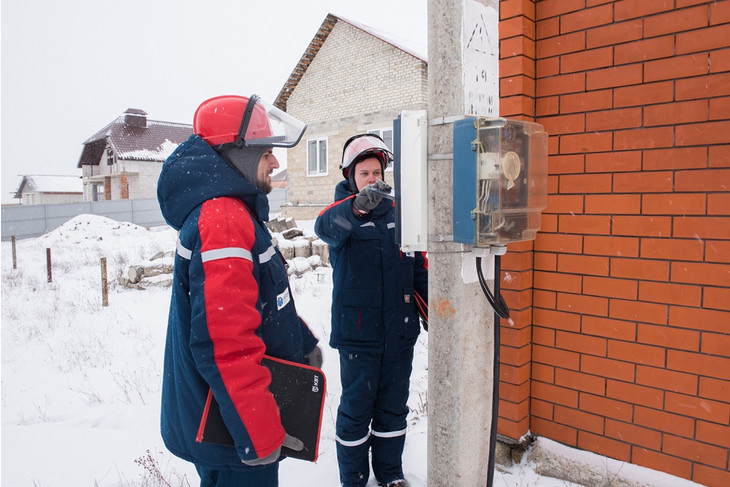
(123, 186)
(107, 187)
(621, 336)
(517, 100)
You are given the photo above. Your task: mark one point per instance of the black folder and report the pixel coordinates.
(299, 391)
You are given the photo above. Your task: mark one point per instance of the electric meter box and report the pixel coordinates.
(500, 180)
(410, 148)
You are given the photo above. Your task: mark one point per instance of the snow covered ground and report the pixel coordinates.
(81, 381)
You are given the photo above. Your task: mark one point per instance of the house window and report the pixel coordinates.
(317, 157)
(387, 136)
(109, 157)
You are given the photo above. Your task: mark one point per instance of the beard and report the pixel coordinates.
(264, 184)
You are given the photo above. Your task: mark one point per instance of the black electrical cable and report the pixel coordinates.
(495, 300)
(500, 311)
(495, 374)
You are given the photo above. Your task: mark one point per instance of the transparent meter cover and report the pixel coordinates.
(512, 180)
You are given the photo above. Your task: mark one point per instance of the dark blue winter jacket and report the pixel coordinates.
(231, 303)
(374, 282)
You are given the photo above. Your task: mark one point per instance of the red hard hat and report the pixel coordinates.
(219, 120)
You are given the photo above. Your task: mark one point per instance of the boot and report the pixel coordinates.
(394, 483)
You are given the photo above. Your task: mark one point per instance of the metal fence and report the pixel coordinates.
(25, 221)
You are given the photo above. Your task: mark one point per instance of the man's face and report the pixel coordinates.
(367, 172)
(267, 164)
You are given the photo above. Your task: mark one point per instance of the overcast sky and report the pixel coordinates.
(70, 68)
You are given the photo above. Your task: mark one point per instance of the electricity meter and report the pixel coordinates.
(500, 180)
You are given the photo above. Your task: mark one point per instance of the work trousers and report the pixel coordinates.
(372, 415)
(264, 476)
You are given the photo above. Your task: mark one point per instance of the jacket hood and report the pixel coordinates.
(342, 190)
(195, 173)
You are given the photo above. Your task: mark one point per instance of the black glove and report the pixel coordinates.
(289, 442)
(314, 358)
(369, 197)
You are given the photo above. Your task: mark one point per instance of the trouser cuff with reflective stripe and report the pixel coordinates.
(352, 458)
(387, 450)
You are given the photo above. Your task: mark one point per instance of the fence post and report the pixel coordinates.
(104, 290)
(15, 261)
(48, 265)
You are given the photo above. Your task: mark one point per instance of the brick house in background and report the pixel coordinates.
(123, 160)
(351, 79)
(278, 179)
(621, 342)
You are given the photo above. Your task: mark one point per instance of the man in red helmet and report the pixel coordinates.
(378, 294)
(231, 301)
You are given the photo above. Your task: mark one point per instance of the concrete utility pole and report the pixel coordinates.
(461, 345)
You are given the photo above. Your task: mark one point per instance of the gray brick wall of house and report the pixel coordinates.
(357, 82)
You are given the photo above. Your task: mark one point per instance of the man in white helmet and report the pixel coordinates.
(378, 294)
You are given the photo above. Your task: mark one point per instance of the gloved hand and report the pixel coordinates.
(314, 358)
(289, 442)
(369, 197)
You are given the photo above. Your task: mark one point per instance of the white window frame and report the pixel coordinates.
(322, 166)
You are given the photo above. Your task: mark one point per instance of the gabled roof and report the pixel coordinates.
(132, 137)
(314, 46)
(50, 184)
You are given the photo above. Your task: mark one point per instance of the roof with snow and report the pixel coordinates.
(314, 46)
(279, 176)
(49, 185)
(132, 137)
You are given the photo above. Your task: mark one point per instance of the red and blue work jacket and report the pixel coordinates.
(231, 303)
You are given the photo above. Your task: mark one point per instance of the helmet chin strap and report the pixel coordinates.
(353, 185)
